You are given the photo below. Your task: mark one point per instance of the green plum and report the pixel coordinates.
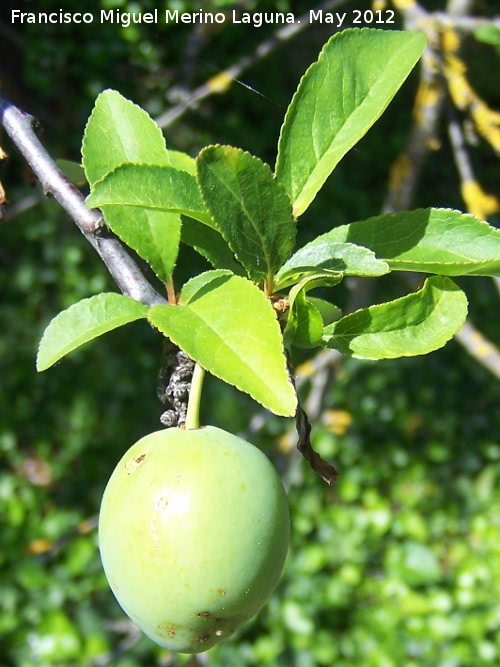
(193, 534)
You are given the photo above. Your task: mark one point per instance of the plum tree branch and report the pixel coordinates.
(122, 267)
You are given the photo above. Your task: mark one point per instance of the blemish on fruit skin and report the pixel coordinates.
(222, 591)
(203, 614)
(162, 503)
(131, 466)
(167, 629)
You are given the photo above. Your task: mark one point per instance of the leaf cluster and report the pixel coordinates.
(242, 319)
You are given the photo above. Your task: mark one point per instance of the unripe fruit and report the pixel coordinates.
(193, 534)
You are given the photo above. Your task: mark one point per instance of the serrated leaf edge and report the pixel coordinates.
(222, 272)
(279, 184)
(87, 124)
(399, 299)
(70, 348)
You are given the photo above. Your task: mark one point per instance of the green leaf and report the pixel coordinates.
(304, 327)
(329, 312)
(73, 171)
(294, 276)
(324, 255)
(412, 563)
(227, 325)
(118, 132)
(414, 324)
(150, 187)
(430, 240)
(250, 207)
(182, 162)
(210, 244)
(488, 34)
(143, 203)
(339, 98)
(84, 321)
(154, 235)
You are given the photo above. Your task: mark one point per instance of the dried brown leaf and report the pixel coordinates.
(324, 469)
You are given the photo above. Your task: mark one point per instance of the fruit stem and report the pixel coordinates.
(193, 409)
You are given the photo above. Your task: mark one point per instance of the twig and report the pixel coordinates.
(223, 80)
(478, 202)
(465, 23)
(460, 154)
(428, 106)
(483, 350)
(431, 96)
(124, 270)
(23, 205)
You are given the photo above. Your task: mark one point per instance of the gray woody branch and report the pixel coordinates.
(122, 267)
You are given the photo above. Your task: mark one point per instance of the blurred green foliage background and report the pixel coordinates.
(399, 563)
